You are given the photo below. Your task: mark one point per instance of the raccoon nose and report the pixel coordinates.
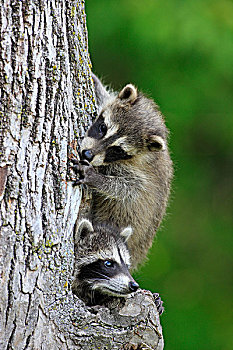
(133, 286)
(86, 154)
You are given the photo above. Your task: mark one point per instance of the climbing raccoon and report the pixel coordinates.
(126, 163)
(102, 262)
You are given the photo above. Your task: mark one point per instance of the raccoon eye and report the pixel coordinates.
(102, 129)
(108, 263)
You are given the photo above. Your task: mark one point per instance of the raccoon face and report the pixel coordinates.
(104, 267)
(108, 277)
(105, 141)
(120, 132)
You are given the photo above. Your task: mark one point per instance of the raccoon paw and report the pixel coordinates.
(158, 303)
(84, 170)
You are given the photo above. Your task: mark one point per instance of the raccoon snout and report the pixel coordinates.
(133, 286)
(87, 154)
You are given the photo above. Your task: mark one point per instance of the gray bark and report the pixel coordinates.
(46, 103)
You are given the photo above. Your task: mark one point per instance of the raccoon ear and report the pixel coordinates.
(128, 93)
(126, 233)
(100, 91)
(156, 143)
(82, 229)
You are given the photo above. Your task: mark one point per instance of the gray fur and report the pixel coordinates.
(132, 191)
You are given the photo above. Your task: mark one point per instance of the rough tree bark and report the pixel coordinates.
(46, 102)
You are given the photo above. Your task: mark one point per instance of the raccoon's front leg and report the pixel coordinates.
(88, 175)
(86, 172)
(111, 186)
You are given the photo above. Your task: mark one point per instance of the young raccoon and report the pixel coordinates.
(126, 163)
(102, 263)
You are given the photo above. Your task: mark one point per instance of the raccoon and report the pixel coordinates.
(102, 263)
(126, 163)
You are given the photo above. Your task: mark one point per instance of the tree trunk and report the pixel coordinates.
(46, 104)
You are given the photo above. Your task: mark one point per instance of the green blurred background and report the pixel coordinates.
(181, 54)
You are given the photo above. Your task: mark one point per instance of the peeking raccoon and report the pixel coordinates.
(126, 163)
(102, 263)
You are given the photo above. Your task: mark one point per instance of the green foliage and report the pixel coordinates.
(181, 53)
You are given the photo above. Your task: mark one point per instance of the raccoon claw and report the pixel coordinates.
(74, 161)
(158, 303)
(79, 165)
(78, 183)
(84, 170)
